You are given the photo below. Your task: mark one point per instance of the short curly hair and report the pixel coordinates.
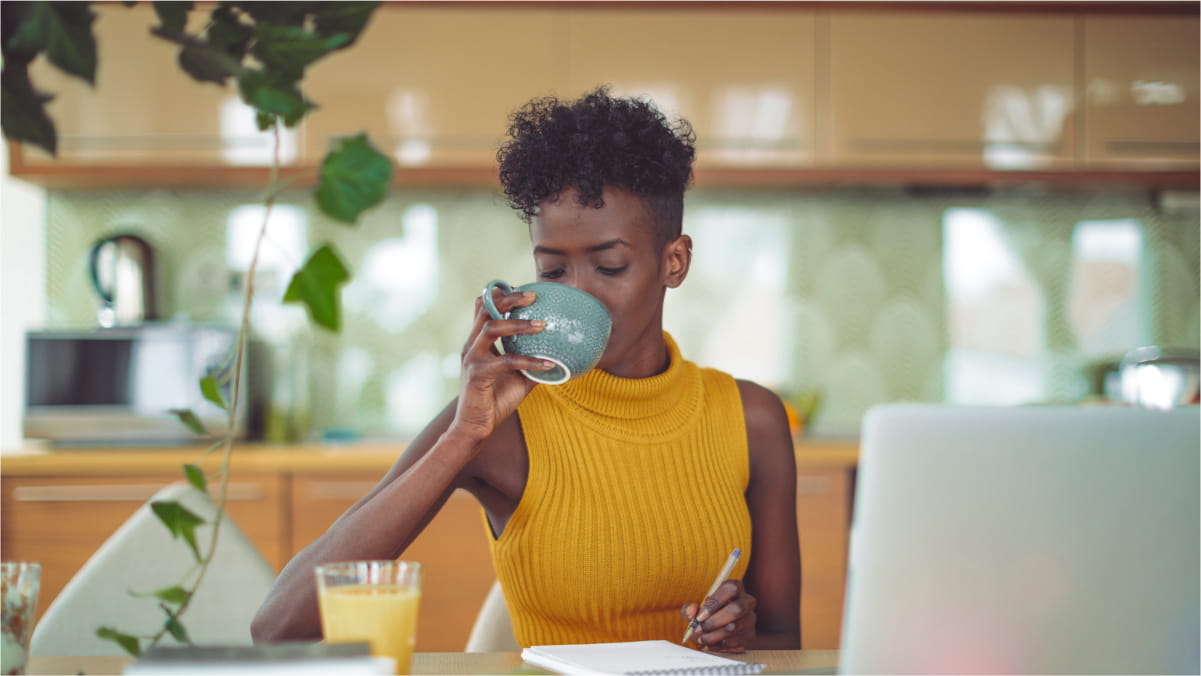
(596, 141)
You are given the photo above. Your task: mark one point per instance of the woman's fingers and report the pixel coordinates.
(727, 618)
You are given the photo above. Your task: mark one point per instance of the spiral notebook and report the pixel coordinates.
(634, 658)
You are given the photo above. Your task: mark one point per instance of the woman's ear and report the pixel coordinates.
(677, 257)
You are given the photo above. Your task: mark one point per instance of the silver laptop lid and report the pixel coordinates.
(1025, 540)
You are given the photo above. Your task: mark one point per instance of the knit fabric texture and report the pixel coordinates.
(634, 499)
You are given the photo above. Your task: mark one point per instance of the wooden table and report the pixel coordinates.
(777, 661)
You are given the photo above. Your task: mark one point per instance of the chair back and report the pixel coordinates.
(141, 557)
(493, 629)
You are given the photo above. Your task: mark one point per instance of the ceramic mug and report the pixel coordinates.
(574, 338)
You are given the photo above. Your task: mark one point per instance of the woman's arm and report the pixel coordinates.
(774, 574)
(386, 520)
(762, 611)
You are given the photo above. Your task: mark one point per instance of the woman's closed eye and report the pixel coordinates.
(551, 274)
(611, 271)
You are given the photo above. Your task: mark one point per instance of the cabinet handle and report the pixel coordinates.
(238, 491)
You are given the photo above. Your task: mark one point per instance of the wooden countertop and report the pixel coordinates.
(309, 458)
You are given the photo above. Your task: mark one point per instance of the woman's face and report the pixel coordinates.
(610, 253)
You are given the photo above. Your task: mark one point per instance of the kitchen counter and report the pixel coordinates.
(311, 458)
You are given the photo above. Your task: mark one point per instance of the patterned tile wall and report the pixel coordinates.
(839, 291)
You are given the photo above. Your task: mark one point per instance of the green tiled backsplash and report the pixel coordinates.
(838, 291)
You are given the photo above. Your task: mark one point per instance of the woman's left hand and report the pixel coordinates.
(727, 619)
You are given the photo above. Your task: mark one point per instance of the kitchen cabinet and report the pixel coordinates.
(144, 110)
(823, 507)
(974, 90)
(744, 78)
(1141, 92)
(60, 521)
(433, 86)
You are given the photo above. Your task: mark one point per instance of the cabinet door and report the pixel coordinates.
(1141, 76)
(453, 552)
(433, 86)
(144, 110)
(744, 77)
(967, 89)
(59, 522)
(823, 522)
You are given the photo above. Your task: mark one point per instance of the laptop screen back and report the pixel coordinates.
(1025, 540)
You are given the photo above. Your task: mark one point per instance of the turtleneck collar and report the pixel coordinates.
(660, 404)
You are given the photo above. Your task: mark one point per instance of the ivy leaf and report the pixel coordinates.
(173, 16)
(23, 109)
(128, 643)
(174, 626)
(272, 96)
(290, 49)
(354, 177)
(264, 121)
(211, 389)
(195, 476)
(176, 594)
(347, 18)
(228, 34)
(316, 285)
(205, 64)
(64, 31)
(180, 521)
(189, 420)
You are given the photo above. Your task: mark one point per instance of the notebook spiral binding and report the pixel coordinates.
(723, 670)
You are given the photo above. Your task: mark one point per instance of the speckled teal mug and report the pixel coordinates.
(576, 332)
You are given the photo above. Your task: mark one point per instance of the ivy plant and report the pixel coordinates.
(262, 48)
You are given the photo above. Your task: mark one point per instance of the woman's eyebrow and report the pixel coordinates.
(596, 247)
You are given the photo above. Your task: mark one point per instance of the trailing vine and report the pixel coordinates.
(264, 48)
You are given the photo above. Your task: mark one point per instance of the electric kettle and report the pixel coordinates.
(122, 272)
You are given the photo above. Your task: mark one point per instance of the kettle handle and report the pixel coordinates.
(94, 272)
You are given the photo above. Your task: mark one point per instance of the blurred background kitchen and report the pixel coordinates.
(976, 203)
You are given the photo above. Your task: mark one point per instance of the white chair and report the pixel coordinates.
(493, 628)
(141, 556)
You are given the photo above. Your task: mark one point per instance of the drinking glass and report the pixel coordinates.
(374, 602)
(19, 597)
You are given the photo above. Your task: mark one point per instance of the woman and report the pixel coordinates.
(611, 500)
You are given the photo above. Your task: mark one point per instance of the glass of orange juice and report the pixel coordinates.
(374, 602)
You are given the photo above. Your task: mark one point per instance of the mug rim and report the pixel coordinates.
(557, 362)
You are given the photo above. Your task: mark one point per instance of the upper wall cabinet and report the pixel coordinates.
(433, 86)
(145, 111)
(744, 78)
(1140, 78)
(965, 89)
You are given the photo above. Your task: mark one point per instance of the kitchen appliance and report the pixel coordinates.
(122, 273)
(116, 385)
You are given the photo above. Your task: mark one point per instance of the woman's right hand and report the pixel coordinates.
(491, 383)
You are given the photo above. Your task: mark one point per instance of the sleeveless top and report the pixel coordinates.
(634, 499)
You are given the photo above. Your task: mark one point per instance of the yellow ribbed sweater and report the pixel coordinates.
(634, 499)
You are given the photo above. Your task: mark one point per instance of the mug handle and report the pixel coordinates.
(489, 304)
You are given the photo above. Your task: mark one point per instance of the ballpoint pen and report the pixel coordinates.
(721, 577)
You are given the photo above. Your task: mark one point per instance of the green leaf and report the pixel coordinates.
(176, 594)
(354, 177)
(180, 521)
(23, 109)
(205, 64)
(228, 34)
(195, 477)
(64, 31)
(273, 97)
(211, 389)
(290, 49)
(264, 121)
(316, 285)
(127, 642)
(281, 13)
(173, 16)
(189, 420)
(347, 18)
(174, 626)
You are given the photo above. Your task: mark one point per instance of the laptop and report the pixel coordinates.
(1025, 540)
